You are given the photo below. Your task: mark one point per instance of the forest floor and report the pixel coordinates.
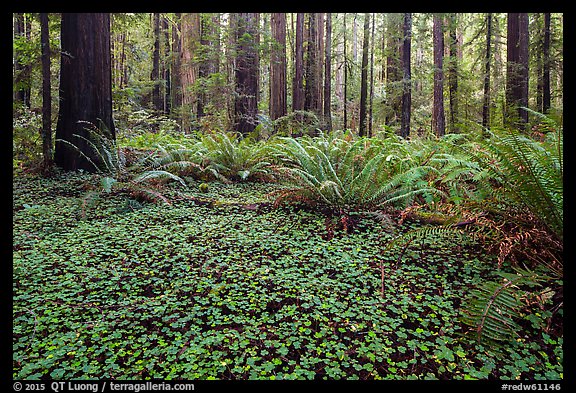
(223, 285)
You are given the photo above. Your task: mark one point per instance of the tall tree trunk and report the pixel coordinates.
(453, 73)
(203, 63)
(486, 99)
(345, 100)
(438, 119)
(407, 77)
(298, 83)
(123, 64)
(362, 131)
(278, 93)
(328, 73)
(176, 86)
(319, 69)
(166, 65)
(539, 48)
(312, 99)
(85, 88)
(46, 94)
(190, 40)
(524, 61)
(393, 92)
(155, 74)
(517, 70)
(371, 98)
(546, 65)
(230, 66)
(247, 75)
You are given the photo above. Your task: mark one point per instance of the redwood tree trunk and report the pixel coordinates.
(393, 76)
(486, 101)
(190, 40)
(85, 88)
(46, 96)
(546, 65)
(155, 74)
(327, 73)
(166, 66)
(453, 73)
(312, 100)
(176, 87)
(407, 77)
(438, 118)
(247, 63)
(524, 62)
(278, 94)
(517, 70)
(298, 83)
(364, 77)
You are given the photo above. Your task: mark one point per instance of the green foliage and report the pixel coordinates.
(531, 175)
(230, 157)
(493, 307)
(198, 291)
(112, 161)
(26, 140)
(347, 173)
(224, 157)
(296, 123)
(105, 155)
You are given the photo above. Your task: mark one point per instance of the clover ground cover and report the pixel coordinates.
(218, 291)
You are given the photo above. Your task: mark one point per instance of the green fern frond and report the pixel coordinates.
(158, 174)
(491, 309)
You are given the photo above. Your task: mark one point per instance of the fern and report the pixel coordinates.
(491, 308)
(110, 161)
(347, 173)
(231, 158)
(158, 174)
(522, 175)
(106, 156)
(176, 159)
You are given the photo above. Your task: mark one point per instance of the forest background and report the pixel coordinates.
(373, 73)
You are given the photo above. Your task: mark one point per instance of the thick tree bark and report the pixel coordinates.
(319, 69)
(438, 118)
(393, 74)
(517, 70)
(328, 73)
(371, 98)
(407, 77)
(46, 94)
(155, 74)
(546, 65)
(453, 73)
(486, 99)
(298, 83)
(190, 40)
(313, 73)
(176, 87)
(247, 63)
(278, 93)
(345, 106)
(166, 104)
(524, 62)
(362, 131)
(85, 88)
